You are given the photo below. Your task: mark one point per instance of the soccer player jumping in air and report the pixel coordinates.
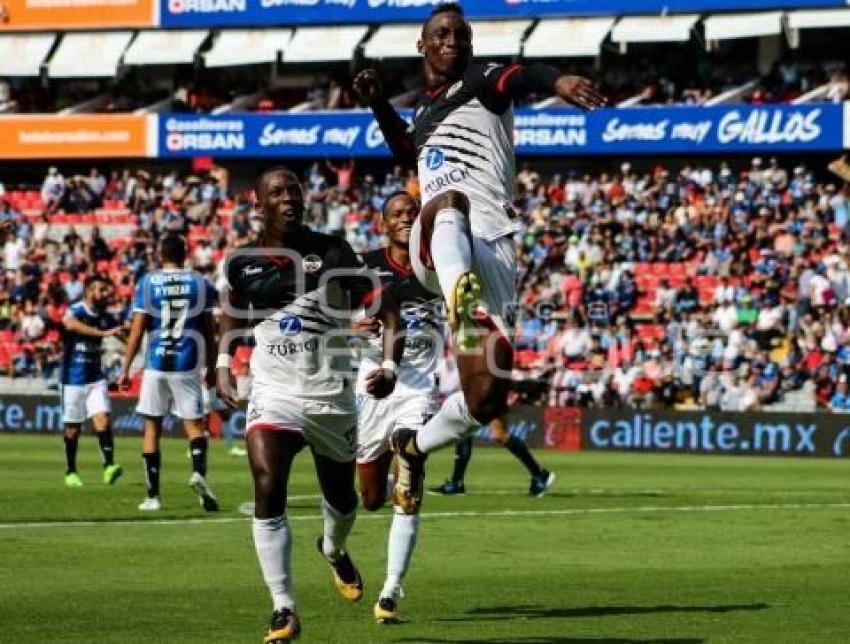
(461, 140)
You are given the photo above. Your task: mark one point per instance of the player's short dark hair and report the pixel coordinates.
(448, 7)
(397, 193)
(173, 249)
(278, 169)
(96, 278)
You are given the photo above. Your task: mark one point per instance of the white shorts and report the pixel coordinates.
(377, 419)
(81, 402)
(178, 393)
(495, 264)
(329, 427)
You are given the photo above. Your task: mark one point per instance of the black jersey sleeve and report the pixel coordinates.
(356, 277)
(395, 131)
(498, 86)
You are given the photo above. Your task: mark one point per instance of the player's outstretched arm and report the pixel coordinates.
(137, 331)
(230, 330)
(517, 81)
(74, 325)
(367, 85)
(381, 382)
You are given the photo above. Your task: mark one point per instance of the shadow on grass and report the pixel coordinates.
(557, 640)
(491, 613)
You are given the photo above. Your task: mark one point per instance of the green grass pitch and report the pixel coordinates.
(626, 548)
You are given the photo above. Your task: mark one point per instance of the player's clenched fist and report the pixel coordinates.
(367, 84)
(380, 383)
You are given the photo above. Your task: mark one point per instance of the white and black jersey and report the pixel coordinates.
(424, 321)
(461, 138)
(463, 135)
(301, 305)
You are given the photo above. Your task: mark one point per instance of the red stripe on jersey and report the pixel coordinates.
(510, 71)
(434, 92)
(370, 297)
(398, 268)
(278, 260)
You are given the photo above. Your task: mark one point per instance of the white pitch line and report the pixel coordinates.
(660, 509)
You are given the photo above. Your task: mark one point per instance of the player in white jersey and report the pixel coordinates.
(297, 288)
(461, 245)
(414, 399)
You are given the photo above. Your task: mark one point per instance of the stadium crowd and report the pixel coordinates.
(650, 80)
(704, 286)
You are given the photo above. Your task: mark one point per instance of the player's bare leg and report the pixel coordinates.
(270, 454)
(198, 445)
(71, 438)
(103, 430)
(339, 509)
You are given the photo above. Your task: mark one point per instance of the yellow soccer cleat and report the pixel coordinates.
(285, 626)
(386, 611)
(465, 302)
(410, 478)
(346, 576)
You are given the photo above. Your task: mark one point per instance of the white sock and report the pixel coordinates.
(448, 425)
(402, 541)
(273, 543)
(451, 250)
(336, 529)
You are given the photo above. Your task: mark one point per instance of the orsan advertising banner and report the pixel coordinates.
(195, 13)
(75, 137)
(76, 14)
(739, 128)
(766, 434)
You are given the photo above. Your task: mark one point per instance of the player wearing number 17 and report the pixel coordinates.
(174, 306)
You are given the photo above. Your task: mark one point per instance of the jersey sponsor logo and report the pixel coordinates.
(312, 263)
(445, 180)
(252, 270)
(290, 325)
(434, 158)
(286, 349)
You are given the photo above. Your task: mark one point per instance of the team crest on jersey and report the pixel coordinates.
(290, 325)
(434, 158)
(312, 263)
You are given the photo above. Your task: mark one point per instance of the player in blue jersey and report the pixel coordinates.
(84, 390)
(174, 307)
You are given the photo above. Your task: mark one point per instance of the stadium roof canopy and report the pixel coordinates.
(23, 54)
(819, 18)
(567, 37)
(499, 38)
(743, 25)
(632, 29)
(247, 47)
(165, 47)
(88, 54)
(321, 44)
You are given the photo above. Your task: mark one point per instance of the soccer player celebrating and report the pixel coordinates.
(461, 139)
(84, 391)
(174, 307)
(414, 399)
(298, 288)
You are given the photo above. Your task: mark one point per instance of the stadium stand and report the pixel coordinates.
(703, 287)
